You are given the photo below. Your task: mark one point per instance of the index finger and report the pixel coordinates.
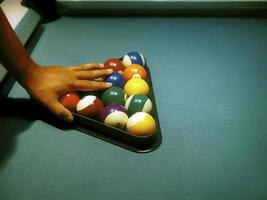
(93, 74)
(87, 66)
(84, 85)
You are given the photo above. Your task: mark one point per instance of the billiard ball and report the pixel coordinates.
(116, 79)
(141, 124)
(113, 95)
(70, 101)
(136, 86)
(115, 115)
(133, 58)
(90, 106)
(138, 103)
(134, 71)
(114, 64)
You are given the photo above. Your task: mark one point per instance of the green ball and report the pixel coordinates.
(138, 103)
(114, 95)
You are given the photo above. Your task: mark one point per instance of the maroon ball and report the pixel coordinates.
(114, 64)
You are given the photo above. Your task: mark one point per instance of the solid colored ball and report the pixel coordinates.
(138, 103)
(90, 106)
(134, 71)
(141, 124)
(114, 64)
(114, 95)
(70, 101)
(133, 58)
(136, 86)
(115, 115)
(116, 79)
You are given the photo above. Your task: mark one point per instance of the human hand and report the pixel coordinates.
(48, 84)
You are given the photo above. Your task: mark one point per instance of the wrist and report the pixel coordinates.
(27, 75)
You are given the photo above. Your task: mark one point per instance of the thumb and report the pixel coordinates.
(60, 111)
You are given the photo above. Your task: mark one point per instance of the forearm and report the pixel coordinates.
(13, 55)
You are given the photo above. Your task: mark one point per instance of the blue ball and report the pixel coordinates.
(116, 79)
(133, 58)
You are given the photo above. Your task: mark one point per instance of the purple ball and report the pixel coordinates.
(110, 109)
(115, 115)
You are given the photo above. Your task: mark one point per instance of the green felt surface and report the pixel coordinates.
(210, 83)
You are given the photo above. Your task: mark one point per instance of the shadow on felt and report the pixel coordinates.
(16, 116)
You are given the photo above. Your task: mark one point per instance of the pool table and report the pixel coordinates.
(209, 75)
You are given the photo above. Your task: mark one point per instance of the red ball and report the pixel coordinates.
(70, 101)
(114, 64)
(90, 106)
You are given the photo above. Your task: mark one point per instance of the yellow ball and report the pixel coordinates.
(136, 86)
(141, 124)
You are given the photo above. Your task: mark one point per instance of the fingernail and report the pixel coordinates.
(99, 79)
(109, 84)
(69, 119)
(109, 70)
(101, 65)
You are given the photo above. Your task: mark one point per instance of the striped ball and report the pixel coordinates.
(138, 103)
(115, 115)
(141, 124)
(133, 58)
(90, 106)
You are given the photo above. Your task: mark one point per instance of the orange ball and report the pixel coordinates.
(134, 71)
